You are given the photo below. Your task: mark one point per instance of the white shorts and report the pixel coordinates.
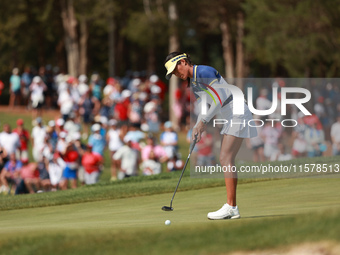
(37, 154)
(81, 174)
(21, 154)
(55, 174)
(269, 149)
(237, 125)
(91, 178)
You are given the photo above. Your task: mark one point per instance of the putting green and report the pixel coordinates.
(255, 200)
(274, 214)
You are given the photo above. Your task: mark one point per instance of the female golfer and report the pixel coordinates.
(205, 79)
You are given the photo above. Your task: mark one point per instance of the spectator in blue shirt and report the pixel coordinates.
(97, 140)
(10, 173)
(134, 134)
(26, 80)
(15, 87)
(169, 140)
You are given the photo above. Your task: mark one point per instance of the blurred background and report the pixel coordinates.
(95, 61)
(259, 38)
(130, 39)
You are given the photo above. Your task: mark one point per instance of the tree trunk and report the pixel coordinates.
(151, 65)
(60, 55)
(239, 50)
(120, 50)
(227, 47)
(84, 35)
(173, 46)
(111, 47)
(71, 39)
(41, 47)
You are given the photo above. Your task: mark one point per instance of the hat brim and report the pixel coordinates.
(171, 64)
(170, 70)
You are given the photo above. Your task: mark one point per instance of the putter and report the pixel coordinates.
(170, 208)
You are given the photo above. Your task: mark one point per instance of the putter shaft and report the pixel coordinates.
(185, 165)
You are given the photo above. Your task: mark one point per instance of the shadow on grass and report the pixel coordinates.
(265, 216)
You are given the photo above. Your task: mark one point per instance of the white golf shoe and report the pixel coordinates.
(226, 212)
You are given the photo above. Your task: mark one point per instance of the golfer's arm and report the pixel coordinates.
(213, 110)
(199, 117)
(215, 104)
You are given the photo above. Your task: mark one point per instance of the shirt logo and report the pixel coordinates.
(207, 91)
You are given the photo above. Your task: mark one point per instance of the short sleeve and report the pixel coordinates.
(207, 75)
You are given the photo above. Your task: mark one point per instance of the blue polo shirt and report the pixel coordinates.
(98, 143)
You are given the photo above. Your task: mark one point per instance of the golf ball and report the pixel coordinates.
(167, 222)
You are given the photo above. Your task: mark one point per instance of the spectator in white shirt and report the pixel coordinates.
(262, 102)
(335, 136)
(82, 86)
(129, 159)
(65, 100)
(38, 139)
(113, 139)
(37, 88)
(8, 140)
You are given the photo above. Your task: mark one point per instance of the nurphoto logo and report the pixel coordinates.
(239, 102)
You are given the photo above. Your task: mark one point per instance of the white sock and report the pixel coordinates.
(233, 207)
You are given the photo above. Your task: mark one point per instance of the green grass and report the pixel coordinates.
(135, 186)
(125, 217)
(132, 187)
(274, 214)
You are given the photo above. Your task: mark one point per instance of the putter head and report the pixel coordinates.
(167, 208)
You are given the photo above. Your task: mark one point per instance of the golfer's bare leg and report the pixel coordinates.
(229, 149)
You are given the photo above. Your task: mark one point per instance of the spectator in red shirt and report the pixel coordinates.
(92, 163)
(122, 106)
(2, 86)
(313, 119)
(70, 156)
(24, 137)
(154, 79)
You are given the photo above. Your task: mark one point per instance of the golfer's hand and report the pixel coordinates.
(198, 130)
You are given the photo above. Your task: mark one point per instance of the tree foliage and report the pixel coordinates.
(291, 38)
(300, 36)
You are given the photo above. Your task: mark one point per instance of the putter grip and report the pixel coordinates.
(193, 144)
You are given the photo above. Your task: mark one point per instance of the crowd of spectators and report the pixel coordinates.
(125, 117)
(314, 135)
(122, 116)
(62, 159)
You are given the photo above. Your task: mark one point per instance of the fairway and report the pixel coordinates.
(139, 218)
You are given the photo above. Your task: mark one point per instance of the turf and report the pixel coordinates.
(125, 217)
(134, 187)
(274, 214)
